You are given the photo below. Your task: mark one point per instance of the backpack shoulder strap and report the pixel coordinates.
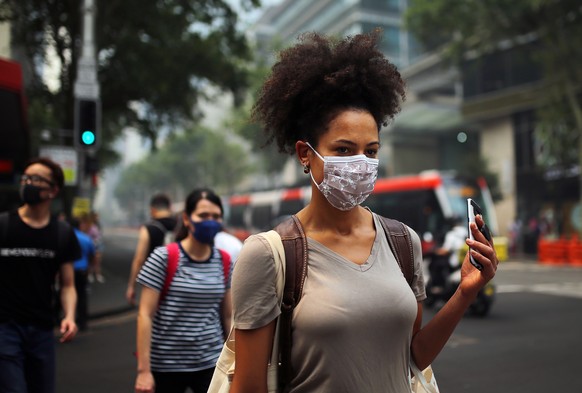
(401, 246)
(3, 226)
(295, 245)
(158, 225)
(173, 258)
(63, 233)
(226, 261)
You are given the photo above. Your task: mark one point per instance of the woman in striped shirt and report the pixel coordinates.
(181, 332)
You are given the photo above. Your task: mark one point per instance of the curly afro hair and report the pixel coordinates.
(315, 80)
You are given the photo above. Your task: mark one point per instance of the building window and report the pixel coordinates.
(501, 70)
(390, 44)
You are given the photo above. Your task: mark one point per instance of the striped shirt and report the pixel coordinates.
(187, 330)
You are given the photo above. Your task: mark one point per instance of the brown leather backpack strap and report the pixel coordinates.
(401, 245)
(295, 245)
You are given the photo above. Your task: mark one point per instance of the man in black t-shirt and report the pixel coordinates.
(151, 235)
(34, 247)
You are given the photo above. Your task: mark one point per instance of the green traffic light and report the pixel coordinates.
(88, 137)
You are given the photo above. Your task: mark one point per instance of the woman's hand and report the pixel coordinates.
(144, 383)
(483, 251)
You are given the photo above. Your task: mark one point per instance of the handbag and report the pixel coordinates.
(423, 381)
(225, 366)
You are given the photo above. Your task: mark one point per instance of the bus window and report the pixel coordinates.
(261, 217)
(418, 209)
(14, 133)
(236, 216)
(290, 207)
(458, 190)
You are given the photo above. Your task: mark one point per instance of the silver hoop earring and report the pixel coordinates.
(305, 168)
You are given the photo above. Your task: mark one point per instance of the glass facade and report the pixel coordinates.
(501, 70)
(391, 41)
(382, 5)
(347, 18)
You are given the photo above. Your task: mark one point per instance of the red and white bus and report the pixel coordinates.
(426, 202)
(14, 133)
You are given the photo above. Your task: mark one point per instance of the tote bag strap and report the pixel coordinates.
(274, 240)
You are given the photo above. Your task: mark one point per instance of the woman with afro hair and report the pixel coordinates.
(358, 323)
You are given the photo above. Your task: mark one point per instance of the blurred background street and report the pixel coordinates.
(135, 98)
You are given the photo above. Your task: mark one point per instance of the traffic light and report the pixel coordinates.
(87, 124)
(91, 165)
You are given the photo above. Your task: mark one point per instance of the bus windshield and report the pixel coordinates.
(457, 191)
(427, 204)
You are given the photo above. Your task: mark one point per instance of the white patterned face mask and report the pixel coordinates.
(347, 181)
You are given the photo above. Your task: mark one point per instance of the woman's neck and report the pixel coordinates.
(196, 250)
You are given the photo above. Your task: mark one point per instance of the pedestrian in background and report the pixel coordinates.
(34, 247)
(358, 323)
(151, 235)
(82, 267)
(95, 232)
(446, 258)
(180, 336)
(229, 243)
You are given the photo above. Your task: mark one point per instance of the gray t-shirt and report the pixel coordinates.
(353, 325)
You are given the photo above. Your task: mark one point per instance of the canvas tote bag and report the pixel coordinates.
(224, 371)
(423, 381)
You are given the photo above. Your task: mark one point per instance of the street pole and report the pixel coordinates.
(86, 86)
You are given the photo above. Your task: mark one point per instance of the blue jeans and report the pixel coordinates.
(27, 359)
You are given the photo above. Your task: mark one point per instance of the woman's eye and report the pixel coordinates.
(343, 150)
(371, 153)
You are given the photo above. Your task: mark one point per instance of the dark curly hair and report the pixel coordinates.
(318, 78)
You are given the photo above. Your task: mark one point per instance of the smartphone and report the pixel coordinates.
(473, 209)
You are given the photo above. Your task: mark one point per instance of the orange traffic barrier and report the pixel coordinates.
(575, 251)
(553, 252)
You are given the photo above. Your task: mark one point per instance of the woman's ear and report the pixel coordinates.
(302, 152)
(185, 220)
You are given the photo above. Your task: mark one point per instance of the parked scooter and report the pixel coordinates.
(442, 281)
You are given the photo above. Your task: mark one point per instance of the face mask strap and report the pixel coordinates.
(315, 151)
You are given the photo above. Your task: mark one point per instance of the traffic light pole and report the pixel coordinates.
(87, 99)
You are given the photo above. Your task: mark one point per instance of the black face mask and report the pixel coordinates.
(30, 194)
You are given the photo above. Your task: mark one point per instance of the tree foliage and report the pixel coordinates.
(197, 158)
(270, 161)
(154, 58)
(479, 27)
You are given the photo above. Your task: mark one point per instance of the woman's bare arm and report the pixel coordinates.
(253, 352)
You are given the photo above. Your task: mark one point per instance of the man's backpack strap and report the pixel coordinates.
(167, 234)
(63, 233)
(173, 259)
(3, 226)
(401, 245)
(295, 245)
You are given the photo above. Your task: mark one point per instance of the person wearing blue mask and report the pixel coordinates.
(181, 326)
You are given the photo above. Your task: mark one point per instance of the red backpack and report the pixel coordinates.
(173, 259)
